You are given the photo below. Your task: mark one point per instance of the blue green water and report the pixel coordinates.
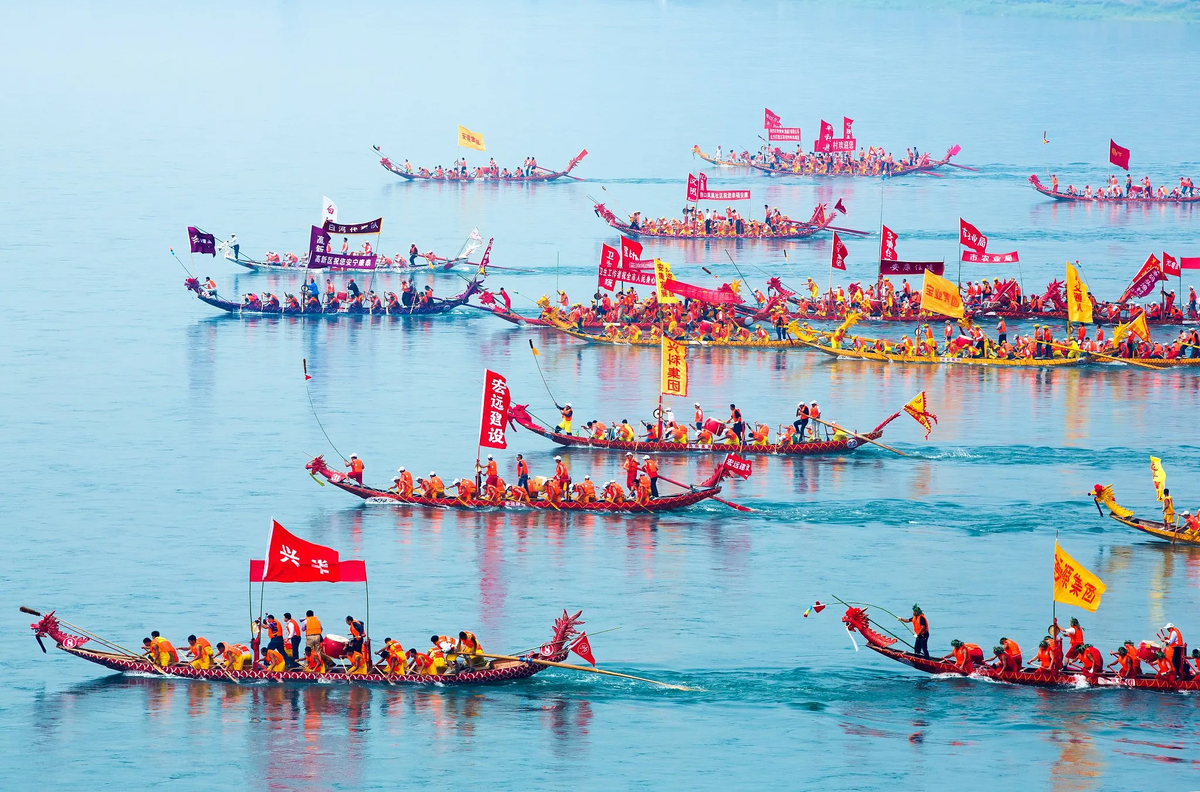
(149, 442)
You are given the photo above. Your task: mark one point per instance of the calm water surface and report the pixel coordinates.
(149, 442)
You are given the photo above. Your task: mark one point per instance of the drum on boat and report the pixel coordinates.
(335, 645)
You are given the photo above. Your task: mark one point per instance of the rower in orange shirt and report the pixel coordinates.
(613, 493)
(517, 494)
(436, 488)
(494, 494)
(356, 468)
(1125, 660)
(679, 433)
(490, 471)
(404, 485)
(553, 491)
(585, 491)
(961, 652)
(643, 490)
(561, 474)
(650, 467)
(630, 466)
(1093, 661)
(1010, 655)
(466, 489)
(1045, 657)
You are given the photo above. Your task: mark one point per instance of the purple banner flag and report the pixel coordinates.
(202, 242)
(342, 261)
(911, 267)
(318, 241)
(373, 227)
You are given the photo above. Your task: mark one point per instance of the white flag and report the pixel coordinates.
(328, 210)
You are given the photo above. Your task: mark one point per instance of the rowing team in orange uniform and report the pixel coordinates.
(734, 430)
(487, 487)
(1167, 657)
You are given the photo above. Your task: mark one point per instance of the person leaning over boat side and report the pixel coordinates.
(920, 624)
(1125, 660)
(201, 653)
(160, 650)
(237, 657)
(962, 655)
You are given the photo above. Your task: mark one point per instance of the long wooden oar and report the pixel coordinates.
(1102, 356)
(860, 437)
(589, 670)
(730, 504)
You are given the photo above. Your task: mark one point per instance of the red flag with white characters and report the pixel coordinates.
(887, 245)
(846, 124)
(969, 237)
(1143, 283)
(839, 253)
(1118, 155)
(494, 420)
(631, 255)
(737, 466)
(291, 559)
(610, 267)
(1171, 265)
(826, 130)
(584, 649)
(770, 120)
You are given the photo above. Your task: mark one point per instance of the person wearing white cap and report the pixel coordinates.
(405, 483)
(651, 469)
(564, 427)
(630, 466)
(585, 491)
(801, 419)
(356, 468)
(699, 417)
(490, 472)
(562, 475)
(435, 487)
(1173, 647)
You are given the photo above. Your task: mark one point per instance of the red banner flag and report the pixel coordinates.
(496, 401)
(839, 253)
(631, 255)
(989, 258)
(582, 647)
(1189, 262)
(887, 245)
(826, 130)
(1171, 265)
(784, 133)
(846, 124)
(911, 267)
(350, 571)
(737, 466)
(722, 296)
(1143, 283)
(610, 267)
(487, 256)
(770, 120)
(969, 237)
(697, 190)
(290, 559)
(1118, 155)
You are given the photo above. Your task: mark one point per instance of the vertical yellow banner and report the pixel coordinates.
(1079, 305)
(662, 274)
(674, 368)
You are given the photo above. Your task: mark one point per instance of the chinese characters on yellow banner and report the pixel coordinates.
(674, 368)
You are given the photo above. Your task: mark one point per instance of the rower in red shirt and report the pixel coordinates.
(356, 468)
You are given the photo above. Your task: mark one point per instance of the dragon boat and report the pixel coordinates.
(822, 220)
(480, 174)
(290, 261)
(1156, 528)
(338, 307)
(74, 641)
(519, 414)
(733, 162)
(693, 495)
(1077, 197)
(857, 620)
(845, 353)
(654, 340)
(922, 165)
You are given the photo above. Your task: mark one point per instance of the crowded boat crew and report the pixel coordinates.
(1114, 190)
(871, 161)
(301, 645)
(717, 223)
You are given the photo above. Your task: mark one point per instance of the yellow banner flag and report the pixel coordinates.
(1137, 327)
(674, 368)
(469, 139)
(1160, 476)
(1079, 305)
(662, 274)
(1073, 583)
(917, 409)
(940, 296)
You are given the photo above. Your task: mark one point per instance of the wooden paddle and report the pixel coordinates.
(860, 437)
(730, 504)
(1102, 356)
(589, 670)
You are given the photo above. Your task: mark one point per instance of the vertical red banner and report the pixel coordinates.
(839, 253)
(887, 245)
(496, 401)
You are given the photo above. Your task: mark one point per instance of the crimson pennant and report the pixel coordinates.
(584, 649)
(494, 418)
(770, 120)
(887, 245)
(737, 466)
(1170, 265)
(969, 237)
(291, 559)
(1118, 155)
(839, 253)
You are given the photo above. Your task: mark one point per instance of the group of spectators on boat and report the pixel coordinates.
(1113, 189)
(446, 656)
(460, 171)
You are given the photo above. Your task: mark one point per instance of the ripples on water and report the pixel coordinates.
(150, 442)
